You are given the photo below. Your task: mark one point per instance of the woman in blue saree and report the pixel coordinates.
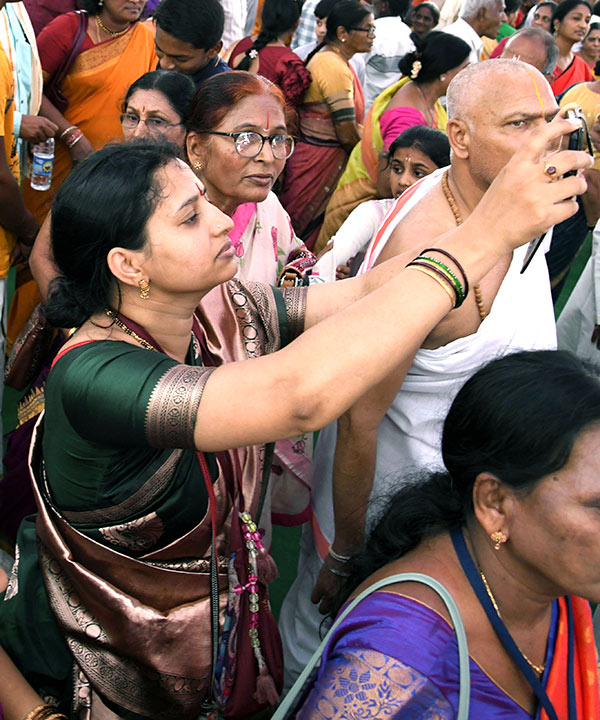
(511, 531)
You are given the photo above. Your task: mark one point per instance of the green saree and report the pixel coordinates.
(107, 606)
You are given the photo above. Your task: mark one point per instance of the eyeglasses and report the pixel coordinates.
(370, 30)
(249, 143)
(154, 124)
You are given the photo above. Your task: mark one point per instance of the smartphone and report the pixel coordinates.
(577, 141)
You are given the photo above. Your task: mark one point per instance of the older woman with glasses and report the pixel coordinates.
(237, 144)
(156, 106)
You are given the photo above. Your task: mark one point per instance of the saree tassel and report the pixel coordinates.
(266, 692)
(266, 568)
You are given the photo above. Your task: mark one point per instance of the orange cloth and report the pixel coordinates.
(7, 102)
(586, 677)
(577, 72)
(258, 23)
(95, 88)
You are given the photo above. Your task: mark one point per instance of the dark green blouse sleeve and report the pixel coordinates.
(117, 395)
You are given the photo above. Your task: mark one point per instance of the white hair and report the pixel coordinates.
(470, 8)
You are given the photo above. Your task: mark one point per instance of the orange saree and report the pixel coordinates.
(95, 87)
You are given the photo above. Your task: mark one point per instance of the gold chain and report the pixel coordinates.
(539, 669)
(121, 325)
(112, 33)
(458, 218)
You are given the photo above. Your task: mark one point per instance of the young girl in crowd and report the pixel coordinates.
(415, 153)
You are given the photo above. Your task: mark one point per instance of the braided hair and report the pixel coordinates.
(278, 16)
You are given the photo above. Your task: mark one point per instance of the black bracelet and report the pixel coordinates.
(455, 261)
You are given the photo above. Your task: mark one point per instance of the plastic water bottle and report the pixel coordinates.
(41, 167)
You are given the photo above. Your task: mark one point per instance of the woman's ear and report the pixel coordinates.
(491, 504)
(342, 33)
(196, 150)
(126, 266)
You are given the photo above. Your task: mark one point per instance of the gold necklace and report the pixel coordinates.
(121, 325)
(112, 33)
(451, 200)
(539, 669)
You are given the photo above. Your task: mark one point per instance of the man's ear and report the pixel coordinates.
(214, 50)
(459, 138)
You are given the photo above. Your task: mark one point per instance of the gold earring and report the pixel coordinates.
(498, 538)
(144, 289)
(198, 165)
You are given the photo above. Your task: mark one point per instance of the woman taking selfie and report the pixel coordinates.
(148, 465)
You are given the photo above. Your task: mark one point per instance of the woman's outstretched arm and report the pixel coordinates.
(359, 331)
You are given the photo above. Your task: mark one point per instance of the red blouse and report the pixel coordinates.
(281, 66)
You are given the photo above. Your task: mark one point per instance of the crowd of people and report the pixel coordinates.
(283, 274)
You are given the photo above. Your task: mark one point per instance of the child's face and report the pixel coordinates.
(407, 166)
(320, 28)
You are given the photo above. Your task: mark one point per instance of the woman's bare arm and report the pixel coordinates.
(41, 261)
(317, 377)
(82, 147)
(17, 697)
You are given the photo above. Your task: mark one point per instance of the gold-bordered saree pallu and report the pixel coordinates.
(139, 629)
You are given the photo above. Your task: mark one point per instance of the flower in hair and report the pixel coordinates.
(253, 54)
(415, 69)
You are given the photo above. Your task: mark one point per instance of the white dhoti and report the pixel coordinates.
(521, 318)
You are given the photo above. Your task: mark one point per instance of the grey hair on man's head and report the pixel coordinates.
(537, 33)
(470, 8)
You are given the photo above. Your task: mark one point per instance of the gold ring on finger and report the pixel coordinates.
(551, 172)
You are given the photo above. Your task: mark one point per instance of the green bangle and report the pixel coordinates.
(447, 270)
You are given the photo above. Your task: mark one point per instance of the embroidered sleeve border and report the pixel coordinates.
(173, 405)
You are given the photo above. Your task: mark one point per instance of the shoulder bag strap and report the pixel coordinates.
(463, 651)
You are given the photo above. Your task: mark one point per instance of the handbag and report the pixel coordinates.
(287, 707)
(29, 351)
(53, 88)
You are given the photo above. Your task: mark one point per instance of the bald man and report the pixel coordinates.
(395, 429)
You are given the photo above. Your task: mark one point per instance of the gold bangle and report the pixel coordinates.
(32, 714)
(438, 279)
